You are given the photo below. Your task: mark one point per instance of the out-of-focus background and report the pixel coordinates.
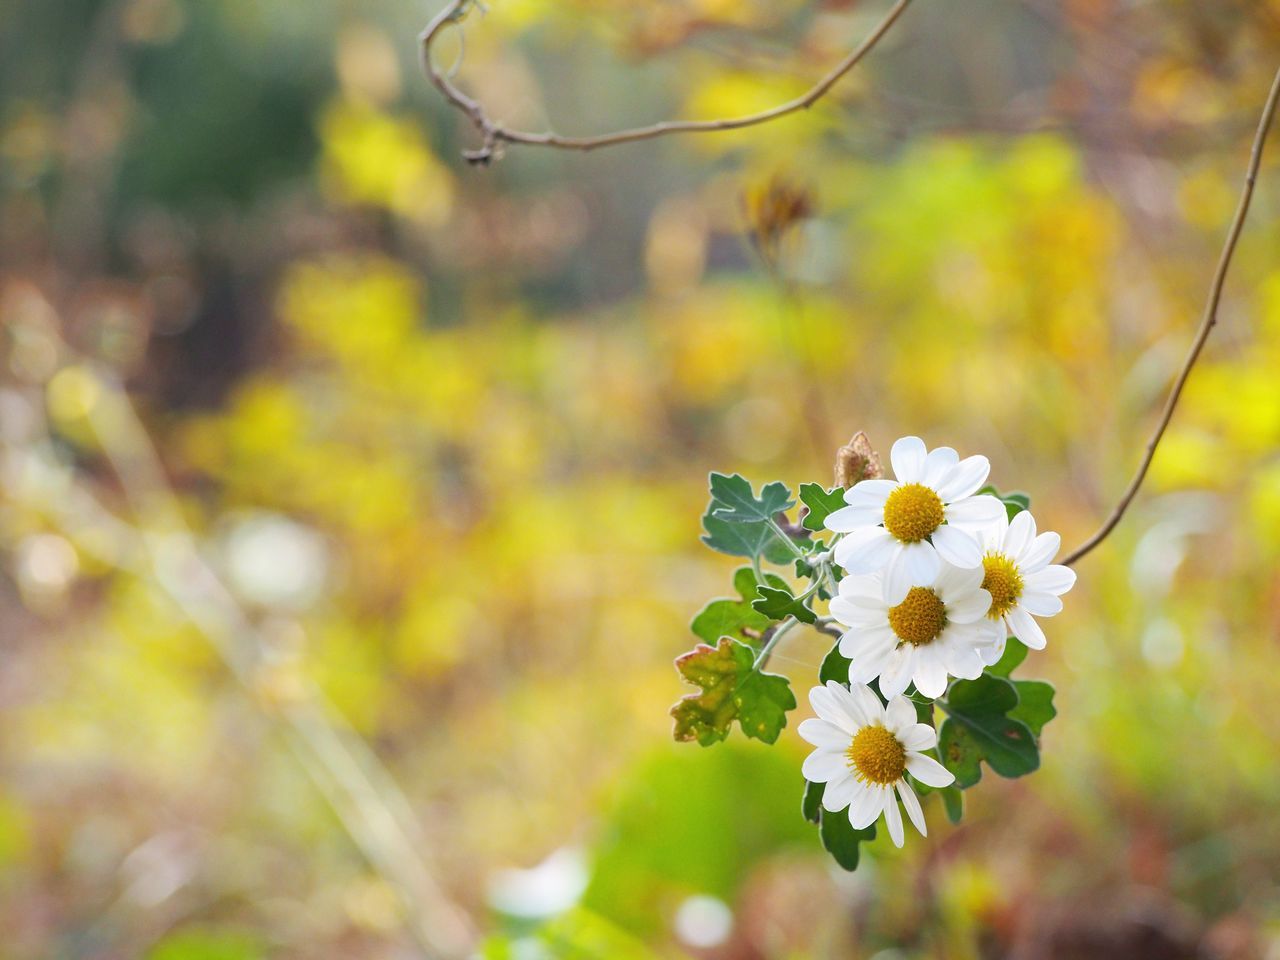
(351, 495)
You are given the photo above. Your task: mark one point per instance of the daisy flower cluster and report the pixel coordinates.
(936, 584)
(937, 578)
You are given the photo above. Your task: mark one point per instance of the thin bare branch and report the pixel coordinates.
(1207, 323)
(494, 134)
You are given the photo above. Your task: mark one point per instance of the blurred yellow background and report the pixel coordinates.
(351, 495)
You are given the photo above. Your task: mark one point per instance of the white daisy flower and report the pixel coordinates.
(864, 750)
(906, 527)
(939, 628)
(1022, 582)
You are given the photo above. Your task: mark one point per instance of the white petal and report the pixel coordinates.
(893, 818)
(896, 675)
(1043, 549)
(957, 546)
(914, 565)
(1055, 579)
(938, 465)
(930, 672)
(993, 535)
(974, 513)
(823, 765)
(870, 491)
(866, 668)
(846, 519)
(868, 703)
(928, 770)
(919, 737)
(965, 663)
(868, 642)
(907, 457)
(854, 705)
(866, 806)
(866, 550)
(923, 563)
(955, 582)
(856, 615)
(858, 585)
(899, 716)
(839, 793)
(1040, 604)
(911, 803)
(991, 654)
(823, 734)
(969, 607)
(1025, 628)
(826, 706)
(965, 479)
(1022, 530)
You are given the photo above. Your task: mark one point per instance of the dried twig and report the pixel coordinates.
(1207, 323)
(494, 134)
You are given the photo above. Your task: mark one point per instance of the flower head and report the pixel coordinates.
(939, 629)
(906, 527)
(864, 751)
(1022, 582)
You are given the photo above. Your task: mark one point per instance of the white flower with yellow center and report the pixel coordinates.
(939, 629)
(863, 752)
(1022, 582)
(907, 527)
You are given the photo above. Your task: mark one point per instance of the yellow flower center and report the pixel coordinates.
(920, 617)
(912, 512)
(1003, 582)
(876, 755)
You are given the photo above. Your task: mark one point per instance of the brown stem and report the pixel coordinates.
(493, 134)
(1207, 323)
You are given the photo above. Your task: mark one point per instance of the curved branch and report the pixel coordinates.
(1207, 323)
(493, 134)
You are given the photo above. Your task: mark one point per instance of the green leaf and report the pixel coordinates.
(953, 802)
(835, 666)
(838, 836)
(730, 618)
(1015, 652)
(744, 539)
(1035, 704)
(811, 805)
(978, 728)
(778, 604)
(731, 690)
(1014, 503)
(732, 499)
(821, 503)
(763, 700)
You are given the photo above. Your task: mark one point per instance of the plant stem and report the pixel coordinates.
(762, 660)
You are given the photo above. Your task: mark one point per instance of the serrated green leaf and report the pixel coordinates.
(763, 700)
(821, 503)
(779, 603)
(731, 690)
(745, 539)
(1035, 704)
(1015, 652)
(835, 666)
(953, 802)
(979, 729)
(733, 499)
(729, 618)
(838, 836)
